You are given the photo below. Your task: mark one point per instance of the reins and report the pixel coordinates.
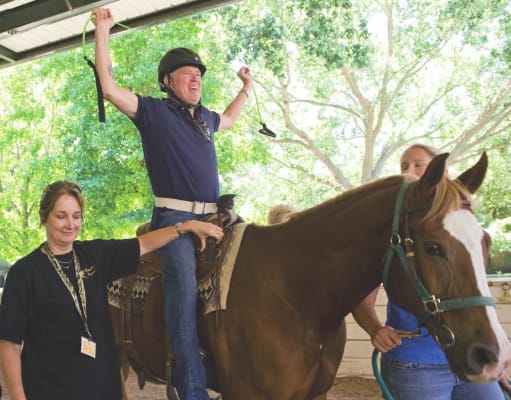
(264, 130)
(101, 102)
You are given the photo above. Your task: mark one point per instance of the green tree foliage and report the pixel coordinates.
(29, 152)
(375, 76)
(346, 85)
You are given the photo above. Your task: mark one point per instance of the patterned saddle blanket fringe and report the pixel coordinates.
(212, 287)
(216, 286)
(116, 291)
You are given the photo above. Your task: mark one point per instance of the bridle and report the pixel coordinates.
(433, 306)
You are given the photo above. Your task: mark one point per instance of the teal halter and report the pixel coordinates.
(433, 306)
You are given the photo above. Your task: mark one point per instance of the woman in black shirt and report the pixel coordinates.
(56, 338)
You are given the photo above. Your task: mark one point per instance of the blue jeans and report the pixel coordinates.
(414, 381)
(180, 292)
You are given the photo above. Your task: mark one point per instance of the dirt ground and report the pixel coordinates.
(345, 388)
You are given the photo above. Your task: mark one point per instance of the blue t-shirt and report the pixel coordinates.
(422, 349)
(180, 161)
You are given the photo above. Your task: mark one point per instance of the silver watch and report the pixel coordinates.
(177, 227)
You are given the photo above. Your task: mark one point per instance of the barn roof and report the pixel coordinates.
(32, 29)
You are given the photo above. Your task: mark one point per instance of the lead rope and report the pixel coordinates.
(386, 392)
(376, 371)
(264, 130)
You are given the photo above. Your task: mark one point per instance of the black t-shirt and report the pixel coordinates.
(38, 311)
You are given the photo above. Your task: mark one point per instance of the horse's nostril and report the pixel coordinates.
(480, 355)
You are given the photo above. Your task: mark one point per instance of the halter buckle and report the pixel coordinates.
(395, 239)
(432, 305)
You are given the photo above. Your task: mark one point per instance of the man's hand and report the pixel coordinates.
(102, 16)
(246, 77)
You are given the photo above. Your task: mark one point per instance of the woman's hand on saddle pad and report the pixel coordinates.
(202, 230)
(385, 339)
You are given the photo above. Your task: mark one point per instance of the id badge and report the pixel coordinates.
(88, 347)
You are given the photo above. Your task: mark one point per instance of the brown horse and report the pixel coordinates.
(282, 334)
(138, 321)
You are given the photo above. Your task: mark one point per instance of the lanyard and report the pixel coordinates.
(81, 302)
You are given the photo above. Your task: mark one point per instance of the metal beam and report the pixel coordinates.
(36, 13)
(7, 55)
(8, 58)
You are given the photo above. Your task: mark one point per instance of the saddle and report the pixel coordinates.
(134, 306)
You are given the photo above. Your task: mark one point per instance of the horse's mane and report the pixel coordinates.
(353, 195)
(450, 195)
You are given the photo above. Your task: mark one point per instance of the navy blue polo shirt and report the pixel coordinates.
(180, 161)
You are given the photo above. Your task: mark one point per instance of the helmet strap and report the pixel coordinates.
(174, 97)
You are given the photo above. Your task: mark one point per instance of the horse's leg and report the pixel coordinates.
(124, 395)
(124, 370)
(333, 350)
(115, 314)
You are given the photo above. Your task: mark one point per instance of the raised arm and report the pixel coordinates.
(124, 100)
(155, 239)
(233, 110)
(10, 361)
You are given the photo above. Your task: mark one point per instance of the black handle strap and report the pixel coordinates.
(101, 101)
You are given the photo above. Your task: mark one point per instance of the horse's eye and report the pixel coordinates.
(434, 249)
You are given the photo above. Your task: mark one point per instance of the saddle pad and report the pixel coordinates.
(138, 292)
(207, 288)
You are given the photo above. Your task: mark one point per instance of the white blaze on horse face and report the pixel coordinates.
(463, 225)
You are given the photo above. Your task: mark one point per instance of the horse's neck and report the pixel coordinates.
(339, 251)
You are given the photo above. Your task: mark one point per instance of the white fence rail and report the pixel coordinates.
(357, 355)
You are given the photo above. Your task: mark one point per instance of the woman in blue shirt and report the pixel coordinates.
(416, 368)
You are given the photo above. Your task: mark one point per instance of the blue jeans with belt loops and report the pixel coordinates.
(180, 293)
(415, 381)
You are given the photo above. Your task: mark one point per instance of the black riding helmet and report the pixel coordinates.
(176, 58)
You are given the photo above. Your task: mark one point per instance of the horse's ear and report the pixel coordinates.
(143, 228)
(473, 177)
(434, 174)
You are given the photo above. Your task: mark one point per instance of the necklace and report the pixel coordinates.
(65, 264)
